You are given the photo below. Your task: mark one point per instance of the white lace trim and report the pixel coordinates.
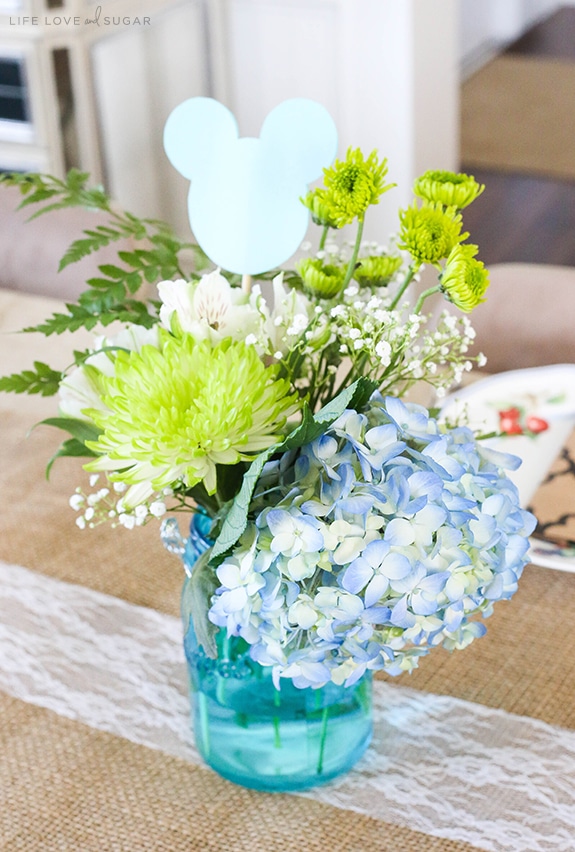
(438, 765)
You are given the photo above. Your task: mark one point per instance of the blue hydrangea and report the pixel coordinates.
(373, 544)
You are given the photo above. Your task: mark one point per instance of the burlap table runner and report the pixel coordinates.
(64, 786)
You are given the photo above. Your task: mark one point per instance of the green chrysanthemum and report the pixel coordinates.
(464, 279)
(429, 232)
(176, 412)
(452, 189)
(319, 279)
(320, 213)
(352, 185)
(376, 270)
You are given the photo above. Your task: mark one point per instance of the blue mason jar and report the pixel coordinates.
(254, 734)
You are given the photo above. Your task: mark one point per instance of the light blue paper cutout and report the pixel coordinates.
(243, 204)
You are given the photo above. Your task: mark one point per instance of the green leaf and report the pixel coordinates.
(356, 396)
(79, 429)
(112, 271)
(130, 257)
(93, 241)
(92, 311)
(133, 282)
(42, 379)
(198, 593)
(71, 447)
(311, 427)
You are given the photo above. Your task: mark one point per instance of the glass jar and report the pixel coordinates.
(254, 734)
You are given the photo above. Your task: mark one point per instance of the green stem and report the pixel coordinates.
(323, 237)
(277, 733)
(204, 721)
(351, 265)
(322, 739)
(429, 292)
(221, 683)
(355, 367)
(364, 694)
(411, 273)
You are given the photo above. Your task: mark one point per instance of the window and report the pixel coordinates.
(13, 91)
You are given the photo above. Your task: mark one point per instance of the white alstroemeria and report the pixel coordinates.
(133, 337)
(211, 309)
(79, 390)
(291, 310)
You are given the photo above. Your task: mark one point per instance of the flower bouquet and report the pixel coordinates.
(336, 530)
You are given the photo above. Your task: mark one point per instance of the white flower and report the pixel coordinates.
(291, 310)
(94, 499)
(76, 502)
(338, 311)
(158, 508)
(293, 533)
(383, 351)
(79, 390)
(303, 613)
(210, 309)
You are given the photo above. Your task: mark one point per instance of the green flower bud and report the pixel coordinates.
(429, 232)
(319, 212)
(376, 270)
(464, 279)
(325, 281)
(448, 188)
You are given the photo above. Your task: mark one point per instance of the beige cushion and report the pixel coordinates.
(529, 317)
(30, 251)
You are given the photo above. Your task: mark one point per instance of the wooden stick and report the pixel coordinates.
(246, 282)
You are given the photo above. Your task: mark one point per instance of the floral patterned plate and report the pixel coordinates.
(533, 413)
(551, 554)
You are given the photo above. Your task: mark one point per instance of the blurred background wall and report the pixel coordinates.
(90, 84)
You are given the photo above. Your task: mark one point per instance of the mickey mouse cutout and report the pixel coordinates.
(243, 204)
